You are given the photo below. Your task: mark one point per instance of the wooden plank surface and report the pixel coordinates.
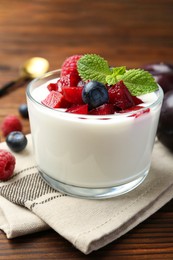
(130, 33)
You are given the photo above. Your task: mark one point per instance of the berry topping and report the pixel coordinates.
(95, 94)
(141, 112)
(63, 81)
(73, 95)
(137, 100)
(120, 96)
(16, 141)
(7, 165)
(78, 109)
(105, 109)
(53, 86)
(53, 100)
(70, 80)
(70, 65)
(23, 110)
(88, 79)
(11, 123)
(138, 113)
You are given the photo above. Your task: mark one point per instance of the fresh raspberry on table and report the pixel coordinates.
(11, 123)
(7, 164)
(70, 65)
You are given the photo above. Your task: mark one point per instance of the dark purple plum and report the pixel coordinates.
(159, 68)
(165, 126)
(166, 115)
(166, 138)
(163, 74)
(165, 80)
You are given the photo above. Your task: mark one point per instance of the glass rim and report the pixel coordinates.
(160, 96)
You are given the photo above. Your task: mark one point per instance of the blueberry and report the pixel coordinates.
(95, 94)
(23, 110)
(16, 141)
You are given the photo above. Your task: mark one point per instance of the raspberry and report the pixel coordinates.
(70, 65)
(11, 123)
(70, 80)
(7, 164)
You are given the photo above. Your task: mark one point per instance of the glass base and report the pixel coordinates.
(93, 193)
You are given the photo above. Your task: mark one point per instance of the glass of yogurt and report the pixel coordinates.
(92, 156)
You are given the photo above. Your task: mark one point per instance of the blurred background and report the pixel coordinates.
(125, 32)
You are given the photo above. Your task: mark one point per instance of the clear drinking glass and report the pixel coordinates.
(91, 156)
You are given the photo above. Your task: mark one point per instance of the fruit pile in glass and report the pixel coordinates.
(87, 85)
(93, 126)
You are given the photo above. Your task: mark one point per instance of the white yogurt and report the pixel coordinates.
(85, 151)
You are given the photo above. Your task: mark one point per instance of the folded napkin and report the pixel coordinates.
(28, 204)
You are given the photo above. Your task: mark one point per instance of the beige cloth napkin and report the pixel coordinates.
(87, 224)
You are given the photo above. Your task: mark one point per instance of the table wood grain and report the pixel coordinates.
(130, 33)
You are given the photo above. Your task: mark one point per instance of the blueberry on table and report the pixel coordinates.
(16, 141)
(23, 110)
(95, 94)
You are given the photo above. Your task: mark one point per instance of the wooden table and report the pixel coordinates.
(125, 32)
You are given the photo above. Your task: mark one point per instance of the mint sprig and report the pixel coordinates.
(113, 78)
(139, 82)
(94, 67)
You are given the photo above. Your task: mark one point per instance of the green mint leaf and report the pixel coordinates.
(113, 78)
(119, 70)
(93, 67)
(139, 81)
